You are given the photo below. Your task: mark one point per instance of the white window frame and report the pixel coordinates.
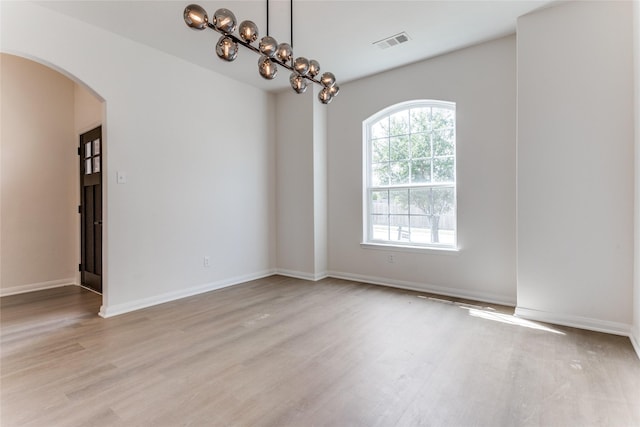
(368, 240)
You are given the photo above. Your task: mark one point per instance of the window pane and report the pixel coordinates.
(399, 123)
(420, 199)
(399, 228)
(444, 199)
(399, 148)
(419, 221)
(420, 231)
(420, 145)
(442, 118)
(438, 206)
(380, 129)
(380, 202)
(380, 174)
(379, 227)
(443, 170)
(399, 173)
(443, 144)
(87, 166)
(420, 171)
(399, 201)
(420, 120)
(442, 222)
(380, 150)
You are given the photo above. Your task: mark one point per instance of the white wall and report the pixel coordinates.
(575, 165)
(295, 183)
(301, 185)
(481, 80)
(635, 337)
(200, 180)
(88, 110)
(320, 187)
(39, 182)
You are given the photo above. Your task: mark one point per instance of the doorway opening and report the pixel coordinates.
(45, 110)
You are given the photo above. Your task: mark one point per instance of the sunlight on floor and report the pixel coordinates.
(489, 313)
(510, 319)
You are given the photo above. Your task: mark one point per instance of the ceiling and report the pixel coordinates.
(337, 33)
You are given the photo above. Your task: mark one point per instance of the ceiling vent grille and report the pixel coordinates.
(392, 41)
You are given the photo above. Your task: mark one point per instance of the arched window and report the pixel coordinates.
(410, 175)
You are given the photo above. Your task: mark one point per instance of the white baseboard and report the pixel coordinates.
(634, 336)
(425, 287)
(14, 290)
(572, 321)
(302, 275)
(117, 309)
(527, 313)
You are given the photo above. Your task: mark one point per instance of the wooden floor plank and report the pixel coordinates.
(286, 352)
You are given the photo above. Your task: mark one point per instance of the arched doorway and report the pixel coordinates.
(44, 111)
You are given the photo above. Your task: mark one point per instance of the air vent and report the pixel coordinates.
(393, 40)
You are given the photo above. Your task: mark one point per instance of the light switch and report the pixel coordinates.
(121, 177)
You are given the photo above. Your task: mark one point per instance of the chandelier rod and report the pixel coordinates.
(256, 50)
(290, 20)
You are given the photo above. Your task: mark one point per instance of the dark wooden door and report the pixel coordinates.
(90, 152)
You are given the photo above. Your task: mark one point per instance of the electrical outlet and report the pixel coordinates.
(206, 261)
(391, 259)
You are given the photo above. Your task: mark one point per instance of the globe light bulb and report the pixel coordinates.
(195, 17)
(284, 52)
(227, 49)
(268, 46)
(298, 83)
(267, 68)
(301, 65)
(248, 31)
(225, 21)
(328, 79)
(325, 96)
(314, 68)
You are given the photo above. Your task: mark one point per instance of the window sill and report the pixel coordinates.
(415, 249)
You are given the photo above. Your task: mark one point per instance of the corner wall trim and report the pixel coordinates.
(117, 309)
(635, 342)
(572, 321)
(14, 290)
(425, 287)
(302, 275)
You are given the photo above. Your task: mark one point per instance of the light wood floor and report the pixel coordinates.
(285, 352)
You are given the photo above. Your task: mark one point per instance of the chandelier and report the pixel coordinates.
(271, 53)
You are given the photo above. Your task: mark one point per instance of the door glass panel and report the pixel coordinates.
(87, 167)
(96, 164)
(87, 150)
(96, 147)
